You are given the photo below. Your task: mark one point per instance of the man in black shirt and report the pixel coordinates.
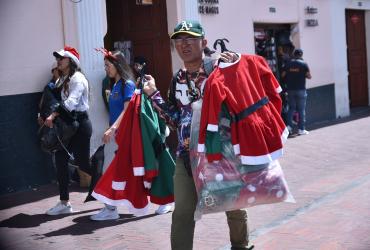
(295, 73)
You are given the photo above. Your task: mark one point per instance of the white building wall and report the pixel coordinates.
(30, 35)
(316, 42)
(91, 24)
(28, 38)
(240, 31)
(236, 17)
(339, 48)
(324, 46)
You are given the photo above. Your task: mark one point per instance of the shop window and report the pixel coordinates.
(272, 41)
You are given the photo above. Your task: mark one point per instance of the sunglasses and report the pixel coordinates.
(188, 40)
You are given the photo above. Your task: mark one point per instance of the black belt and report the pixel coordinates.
(246, 112)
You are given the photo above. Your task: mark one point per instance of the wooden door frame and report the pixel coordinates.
(348, 12)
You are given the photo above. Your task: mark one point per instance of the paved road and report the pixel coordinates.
(328, 172)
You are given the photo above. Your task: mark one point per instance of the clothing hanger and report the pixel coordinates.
(142, 75)
(221, 43)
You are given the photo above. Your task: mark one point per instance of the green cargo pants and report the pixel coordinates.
(183, 224)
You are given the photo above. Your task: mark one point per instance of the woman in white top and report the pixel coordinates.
(74, 104)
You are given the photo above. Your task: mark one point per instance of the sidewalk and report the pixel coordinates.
(328, 172)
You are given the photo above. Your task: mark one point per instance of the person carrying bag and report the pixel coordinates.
(72, 123)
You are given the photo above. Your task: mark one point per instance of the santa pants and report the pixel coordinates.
(183, 224)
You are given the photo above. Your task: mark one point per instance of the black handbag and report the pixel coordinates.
(58, 137)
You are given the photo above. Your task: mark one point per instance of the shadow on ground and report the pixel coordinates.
(83, 225)
(34, 195)
(27, 221)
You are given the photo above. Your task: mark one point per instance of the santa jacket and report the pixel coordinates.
(159, 164)
(245, 84)
(123, 181)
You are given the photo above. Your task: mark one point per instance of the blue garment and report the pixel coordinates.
(118, 96)
(296, 71)
(297, 102)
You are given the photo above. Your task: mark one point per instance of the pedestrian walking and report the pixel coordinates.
(74, 105)
(122, 89)
(295, 73)
(190, 42)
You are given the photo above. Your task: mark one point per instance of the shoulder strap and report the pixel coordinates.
(172, 90)
(123, 87)
(208, 65)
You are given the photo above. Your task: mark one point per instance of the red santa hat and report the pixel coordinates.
(68, 52)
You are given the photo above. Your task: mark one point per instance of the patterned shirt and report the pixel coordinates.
(178, 112)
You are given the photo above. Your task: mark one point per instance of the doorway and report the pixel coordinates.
(272, 41)
(144, 25)
(356, 56)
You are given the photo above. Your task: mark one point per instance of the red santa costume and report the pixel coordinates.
(122, 183)
(246, 86)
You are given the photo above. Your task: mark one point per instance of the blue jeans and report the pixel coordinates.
(297, 102)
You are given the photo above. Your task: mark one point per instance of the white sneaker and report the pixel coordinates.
(106, 214)
(290, 129)
(163, 209)
(303, 132)
(60, 208)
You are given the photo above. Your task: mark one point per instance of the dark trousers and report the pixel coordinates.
(79, 146)
(183, 224)
(297, 102)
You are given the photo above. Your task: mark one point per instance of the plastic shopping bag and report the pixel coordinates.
(227, 184)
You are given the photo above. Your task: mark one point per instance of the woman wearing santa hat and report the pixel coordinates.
(74, 104)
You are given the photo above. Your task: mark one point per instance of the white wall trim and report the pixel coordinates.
(91, 25)
(339, 53)
(69, 20)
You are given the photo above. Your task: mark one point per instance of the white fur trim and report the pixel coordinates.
(279, 89)
(201, 148)
(284, 136)
(139, 171)
(236, 149)
(147, 184)
(225, 65)
(212, 127)
(261, 159)
(118, 185)
(73, 57)
(137, 91)
(65, 53)
(124, 202)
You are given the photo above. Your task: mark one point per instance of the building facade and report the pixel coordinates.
(334, 35)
